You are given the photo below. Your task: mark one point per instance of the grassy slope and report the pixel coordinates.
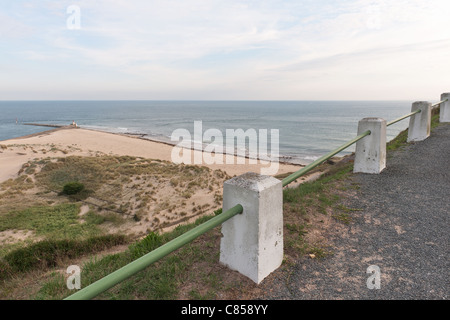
(120, 191)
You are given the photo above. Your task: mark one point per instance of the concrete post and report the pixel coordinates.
(444, 115)
(420, 123)
(252, 242)
(370, 152)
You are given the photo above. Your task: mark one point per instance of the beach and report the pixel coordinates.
(157, 194)
(83, 142)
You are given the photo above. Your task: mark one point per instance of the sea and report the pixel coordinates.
(307, 129)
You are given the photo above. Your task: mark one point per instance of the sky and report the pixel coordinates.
(224, 50)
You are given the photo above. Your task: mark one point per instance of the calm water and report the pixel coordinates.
(308, 129)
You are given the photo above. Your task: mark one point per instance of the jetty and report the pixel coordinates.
(44, 125)
(72, 125)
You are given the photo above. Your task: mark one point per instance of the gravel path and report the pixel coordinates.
(403, 228)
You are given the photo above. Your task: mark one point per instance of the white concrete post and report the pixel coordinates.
(252, 242)
(370, 152)
(420, 123)
(444, 115)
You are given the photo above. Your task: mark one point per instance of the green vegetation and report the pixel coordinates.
(73, 188)
(162, 280)
(53, 222)
(46, 254)
(308, 206)
(398, 142)
(435, 117)
(41, 230)
(64, 236)
(131, 186)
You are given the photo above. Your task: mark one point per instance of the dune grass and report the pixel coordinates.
(159, 281)
(117, 191)
(57, 222)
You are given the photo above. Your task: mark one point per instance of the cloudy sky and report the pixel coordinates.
(224, 50)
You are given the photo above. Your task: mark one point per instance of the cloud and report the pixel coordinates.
(236, 49)
(11, 28)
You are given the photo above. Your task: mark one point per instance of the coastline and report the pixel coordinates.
(141, 136)
(67, 141)
(144, 136)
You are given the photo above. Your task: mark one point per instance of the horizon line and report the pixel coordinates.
(200, 100)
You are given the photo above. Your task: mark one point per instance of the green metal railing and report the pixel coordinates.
(438, 103)
(324, 158)
(134, 267)
(314, 164)
(143, 262)
(404, 117)
(413, 113)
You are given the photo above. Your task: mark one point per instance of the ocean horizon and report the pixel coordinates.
(307, 129)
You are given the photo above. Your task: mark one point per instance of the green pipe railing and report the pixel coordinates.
(439, 103)
(319, 161)
(413, 113)
(401, 118)
(143, 262)
(324, 158)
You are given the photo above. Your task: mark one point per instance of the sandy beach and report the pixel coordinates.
(159, 200)
(82, 142)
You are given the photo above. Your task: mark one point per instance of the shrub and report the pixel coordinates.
(149, 243)
(47, 253)
(73, 188)
(5, 270)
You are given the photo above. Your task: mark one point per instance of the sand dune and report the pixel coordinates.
(16, 153)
